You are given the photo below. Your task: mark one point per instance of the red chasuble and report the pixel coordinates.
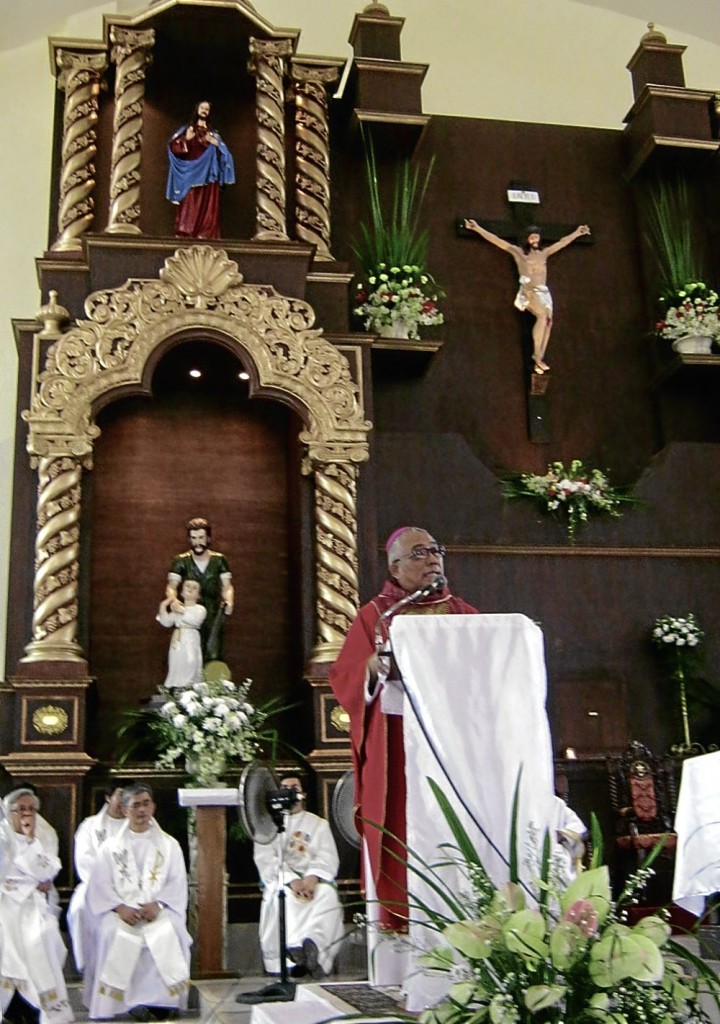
(377, 748)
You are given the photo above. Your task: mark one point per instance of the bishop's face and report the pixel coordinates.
(416, 560)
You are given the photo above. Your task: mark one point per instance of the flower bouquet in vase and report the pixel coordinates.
(691, 320)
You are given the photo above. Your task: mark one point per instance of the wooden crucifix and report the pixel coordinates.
(522, 241)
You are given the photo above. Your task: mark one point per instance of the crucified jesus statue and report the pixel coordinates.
(533, 293)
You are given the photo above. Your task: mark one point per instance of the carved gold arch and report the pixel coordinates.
(200, 288)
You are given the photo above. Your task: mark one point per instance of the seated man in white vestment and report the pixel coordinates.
(314, 919)
(32, 952)
(570, 835)
(90, 835)
(138, 895)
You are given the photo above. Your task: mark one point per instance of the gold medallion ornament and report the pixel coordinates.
(50, 720)
(340, 718)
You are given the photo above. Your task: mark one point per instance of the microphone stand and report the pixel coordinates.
(282, 991)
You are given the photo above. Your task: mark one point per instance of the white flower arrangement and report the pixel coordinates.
(394, 294)
(678, 639)
(694, 310)
(677, 632)
(208, 724)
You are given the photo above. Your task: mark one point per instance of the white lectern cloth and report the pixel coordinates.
(697, 824)
(475, 692)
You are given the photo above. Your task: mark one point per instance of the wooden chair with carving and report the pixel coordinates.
(643, 796)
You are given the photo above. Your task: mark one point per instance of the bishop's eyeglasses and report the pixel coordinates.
(420, 552)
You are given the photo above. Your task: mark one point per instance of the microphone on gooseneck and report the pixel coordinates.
(435, 587)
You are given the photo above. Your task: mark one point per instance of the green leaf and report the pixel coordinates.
(539, 997)
(653, 928)
(596, 838)
(514, 871)
(567, 945)
(463, 992)
(439, 958)
(524, 934)
(618, 956)
(652, 966)
(465, 845)
(470, 938)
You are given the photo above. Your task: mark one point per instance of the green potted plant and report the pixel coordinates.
(398, 294)
(689, 313)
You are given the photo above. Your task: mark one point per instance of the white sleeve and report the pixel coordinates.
(85, 849)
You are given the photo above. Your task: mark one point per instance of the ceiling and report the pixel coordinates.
(22, 22)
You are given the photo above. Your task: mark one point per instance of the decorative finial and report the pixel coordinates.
(377, 8)
(52, 315)
(653, 35)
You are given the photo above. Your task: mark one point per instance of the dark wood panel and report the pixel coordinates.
(198, 448)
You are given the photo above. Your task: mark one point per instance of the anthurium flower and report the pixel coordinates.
(583, 914)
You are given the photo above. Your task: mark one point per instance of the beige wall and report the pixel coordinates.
(553, 61)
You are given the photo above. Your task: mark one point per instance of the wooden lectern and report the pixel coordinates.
(210, 807)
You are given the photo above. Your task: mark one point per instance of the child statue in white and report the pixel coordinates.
(185, 661)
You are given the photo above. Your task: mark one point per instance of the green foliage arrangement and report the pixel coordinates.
(555, 956)
(668, 222)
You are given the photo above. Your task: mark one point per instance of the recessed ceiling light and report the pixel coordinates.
(243, 375)
(196, 373)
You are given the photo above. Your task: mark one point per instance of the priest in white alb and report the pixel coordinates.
(32, 952)
(314, 917)
(92, 832)
(138, 893)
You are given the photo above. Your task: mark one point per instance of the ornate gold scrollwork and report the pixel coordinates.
(198, 287)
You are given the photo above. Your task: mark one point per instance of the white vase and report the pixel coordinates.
(693, 344)
(397, 329)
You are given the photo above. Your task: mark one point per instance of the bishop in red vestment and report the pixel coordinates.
(357, 678)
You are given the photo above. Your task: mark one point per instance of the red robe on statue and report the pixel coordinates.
(378, 750)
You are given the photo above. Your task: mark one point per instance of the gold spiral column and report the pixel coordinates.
(337, 594)
(131, 53)
(268, 64)
(56, 561)
(81, 79)
(312, 153)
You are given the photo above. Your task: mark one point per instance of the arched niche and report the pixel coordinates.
(198, 292)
